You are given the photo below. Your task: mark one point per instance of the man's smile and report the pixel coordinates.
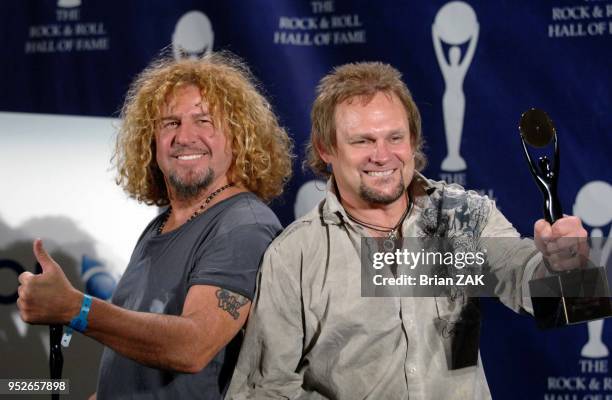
(382, 173)
(188, 157)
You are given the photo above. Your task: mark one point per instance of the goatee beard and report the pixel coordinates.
(186, 191)
(371, 196)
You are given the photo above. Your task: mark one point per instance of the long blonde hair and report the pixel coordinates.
(261, 148)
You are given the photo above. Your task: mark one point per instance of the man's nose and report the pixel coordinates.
(185, 134)
(381, 153)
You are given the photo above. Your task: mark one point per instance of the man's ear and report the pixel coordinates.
(324, 154)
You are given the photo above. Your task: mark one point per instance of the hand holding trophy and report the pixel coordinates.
(566, 296)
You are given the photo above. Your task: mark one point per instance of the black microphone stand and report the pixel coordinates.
(56, 359)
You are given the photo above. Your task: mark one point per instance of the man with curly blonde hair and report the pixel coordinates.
(199, 138)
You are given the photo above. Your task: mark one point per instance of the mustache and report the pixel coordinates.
(181, 149)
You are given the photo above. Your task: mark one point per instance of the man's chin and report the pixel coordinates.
(186, 187)
(383, 197)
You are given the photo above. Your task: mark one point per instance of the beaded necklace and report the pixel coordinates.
(197, 212)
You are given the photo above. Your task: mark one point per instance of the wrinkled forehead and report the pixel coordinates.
(378, 106)
(184, 97)
(364, 99)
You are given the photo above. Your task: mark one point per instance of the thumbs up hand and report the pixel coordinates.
(47, 298)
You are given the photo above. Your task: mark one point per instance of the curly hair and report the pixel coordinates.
(363, 79)
(261, 148)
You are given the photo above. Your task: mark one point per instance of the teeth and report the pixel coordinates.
(380, 173)
(190, 157)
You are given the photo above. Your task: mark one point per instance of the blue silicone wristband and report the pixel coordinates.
(79, 322)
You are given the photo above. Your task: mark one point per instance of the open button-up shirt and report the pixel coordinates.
(311, 334)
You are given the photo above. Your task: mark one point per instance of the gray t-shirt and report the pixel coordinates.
(221, 247)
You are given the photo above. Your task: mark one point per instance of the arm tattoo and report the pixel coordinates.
(230, 302)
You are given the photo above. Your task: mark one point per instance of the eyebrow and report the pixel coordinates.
(399, 132)
(368, 135)
(359, 136)
(172, 117)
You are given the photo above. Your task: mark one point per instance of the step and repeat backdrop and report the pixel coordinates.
(473, 67)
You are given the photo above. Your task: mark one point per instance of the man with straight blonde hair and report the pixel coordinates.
(199, 138)
(311, 332)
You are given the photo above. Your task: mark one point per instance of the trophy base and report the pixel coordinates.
(570, 298)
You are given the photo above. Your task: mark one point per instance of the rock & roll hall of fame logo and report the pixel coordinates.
(193, 36)
(593, 206)
(455, 35)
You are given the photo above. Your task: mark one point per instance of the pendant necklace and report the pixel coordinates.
(393, 233)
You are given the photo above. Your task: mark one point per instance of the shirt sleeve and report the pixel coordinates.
(231, 261)
(513, 260)
(273, 345)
